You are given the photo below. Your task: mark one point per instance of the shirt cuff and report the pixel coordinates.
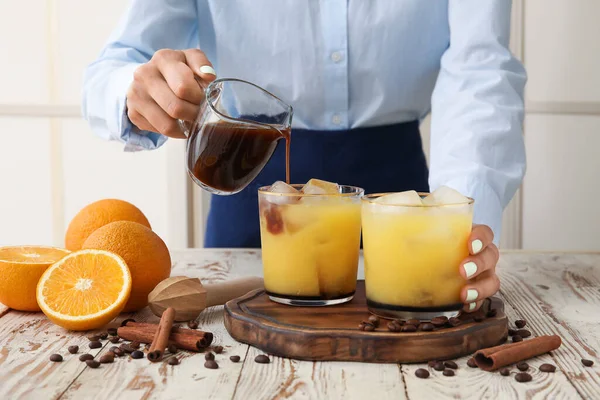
(487, 209)
(136, 139)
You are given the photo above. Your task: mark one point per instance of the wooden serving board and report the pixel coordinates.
(331, 333)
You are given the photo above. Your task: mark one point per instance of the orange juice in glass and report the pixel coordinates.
(310, 236)
(413, 245)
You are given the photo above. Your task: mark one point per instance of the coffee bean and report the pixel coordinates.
(361, 326)
(172, 349)
(95, 344)
(520, 323)
(478, 317)
(211, 364)
(504, 371)
(448, 372)
(114, 339)
(431, 363)
(398, 322)
(93, 338)
(136, 354)
(587, 363)
(126, 348)
(393, 326)
(218, 349)
(512, 332)
(439, 366)
(439, 321)
(422, 373)
(408, 328)
(547, 368)
(492, 313)
(56, 358)
(454, 321)
(173, 361)
(524, 333)
(92, 363)
(73, 349)
(235, 358)
(426, 327)
(369, 328)
(262, 359)
(124, 323)
(414, 322)
(135, 345)
(107, 358)
(374, 319)
(85, 357)
(192, 325)
(451, 364)
(112, 331)
(471, 363)
(517, 338)
(522, 377)
(103, 335)
(209, 356)
(523, 366)
(117, 351)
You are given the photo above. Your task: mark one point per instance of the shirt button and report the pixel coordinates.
(336, 57)
(336, 119)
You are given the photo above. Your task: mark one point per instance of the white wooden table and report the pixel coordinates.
(556, 293)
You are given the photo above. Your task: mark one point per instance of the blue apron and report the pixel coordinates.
(378, 159)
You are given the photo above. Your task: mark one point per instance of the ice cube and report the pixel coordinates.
(317, 186)
(443, 196)
(284, 189)
(407, 198)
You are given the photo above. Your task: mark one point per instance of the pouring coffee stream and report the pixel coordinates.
(235, 134)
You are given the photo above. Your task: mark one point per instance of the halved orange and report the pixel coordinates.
(85, 290)
(20, 270)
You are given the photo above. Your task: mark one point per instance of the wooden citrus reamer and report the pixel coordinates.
(189, 297)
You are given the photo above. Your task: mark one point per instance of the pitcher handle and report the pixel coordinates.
(187, 127)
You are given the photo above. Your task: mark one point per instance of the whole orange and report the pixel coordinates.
(144, 252)
(20, 270)
(98, 214)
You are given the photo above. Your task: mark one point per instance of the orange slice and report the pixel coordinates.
(20, 270)
(85, 290)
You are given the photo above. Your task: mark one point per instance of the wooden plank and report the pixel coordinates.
(559, 294)
(26, 342)
(140, 379)
(489, 385)
(284, 378)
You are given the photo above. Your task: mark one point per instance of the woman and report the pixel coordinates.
(360, 76)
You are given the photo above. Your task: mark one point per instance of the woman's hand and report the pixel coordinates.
(165, 89)
(479, 268)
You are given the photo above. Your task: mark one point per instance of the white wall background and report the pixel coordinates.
(51, 165)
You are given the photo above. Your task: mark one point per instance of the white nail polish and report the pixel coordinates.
(470, 269)
(476, 246)
(207, 69)
(472, 295)
(472, 306)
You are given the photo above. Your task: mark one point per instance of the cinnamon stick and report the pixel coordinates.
(492, 358)
(161, 336)
(182, 341)
(185, 331)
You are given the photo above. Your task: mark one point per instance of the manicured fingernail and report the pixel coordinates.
(472, 306)
(470, 269)
(476, 246)
(471, 295)
(207, 69)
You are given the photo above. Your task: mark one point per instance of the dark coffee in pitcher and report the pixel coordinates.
(231, 155)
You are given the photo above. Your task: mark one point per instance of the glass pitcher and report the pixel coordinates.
(234, 135)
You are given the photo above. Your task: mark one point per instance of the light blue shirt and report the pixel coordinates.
(345, 64)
